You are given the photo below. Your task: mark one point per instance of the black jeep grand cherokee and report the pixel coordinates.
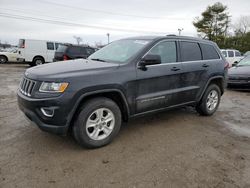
(127, 78)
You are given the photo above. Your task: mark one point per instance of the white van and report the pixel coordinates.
(232, 56)
(36, 52)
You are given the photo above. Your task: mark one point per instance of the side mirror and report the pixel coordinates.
(149, 60)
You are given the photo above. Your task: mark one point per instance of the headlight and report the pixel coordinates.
(53, 87)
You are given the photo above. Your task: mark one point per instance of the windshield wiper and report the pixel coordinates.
(97, 59)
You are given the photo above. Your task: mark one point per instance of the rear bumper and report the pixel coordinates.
(31, 108)
(239, 85)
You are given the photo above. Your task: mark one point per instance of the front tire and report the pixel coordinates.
(210, 101)
(98, 122)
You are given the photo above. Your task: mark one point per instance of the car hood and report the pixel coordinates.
(65, 69)
(241, 70)
(5, 53)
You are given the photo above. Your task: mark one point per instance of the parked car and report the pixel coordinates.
(247, 53)
(239, 75)
(36, 52)
(8, 56)
(125, 79)
(68, 52)
(232, 56)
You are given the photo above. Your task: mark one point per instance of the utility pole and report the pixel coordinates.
(180, 30)
(108, 37)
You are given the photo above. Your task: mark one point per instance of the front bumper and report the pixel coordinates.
(57, 124)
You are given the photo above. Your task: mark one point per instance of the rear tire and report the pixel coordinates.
(210, 101)
(98, 122)
(3, 59)
(37, 61)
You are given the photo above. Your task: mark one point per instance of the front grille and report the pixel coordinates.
(27, 86)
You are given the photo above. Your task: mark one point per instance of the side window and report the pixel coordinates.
(224, 53)
(75, 50)
(50, 45)
(89, 51)
(57, 45)
(166, 50)
(237, 54)
(209, 52)
(83, 51)
(190, 51)
(230, 53)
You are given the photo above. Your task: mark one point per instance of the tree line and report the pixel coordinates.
(215, 24)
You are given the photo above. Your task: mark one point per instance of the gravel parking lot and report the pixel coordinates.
(177, 148)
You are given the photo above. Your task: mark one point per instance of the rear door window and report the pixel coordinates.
(190, 51)
(50, 46)
(209, 52)
(230, 53)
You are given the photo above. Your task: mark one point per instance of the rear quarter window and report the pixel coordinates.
(61, 48)
(237, 54)
(209, 52)
(190, 51)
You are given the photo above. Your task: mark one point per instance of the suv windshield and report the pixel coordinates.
(244, 62)
(119, 51)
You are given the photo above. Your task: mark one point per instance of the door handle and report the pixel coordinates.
(175, 69)
(205, 65)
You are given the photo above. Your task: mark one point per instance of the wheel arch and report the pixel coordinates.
(218, 80)
(38, 56)
(114, 94)
(5, 57)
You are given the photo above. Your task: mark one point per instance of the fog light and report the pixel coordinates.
(48, 112)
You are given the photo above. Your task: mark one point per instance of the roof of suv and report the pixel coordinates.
(171, 37)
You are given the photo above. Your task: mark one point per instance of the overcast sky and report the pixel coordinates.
(93, 19)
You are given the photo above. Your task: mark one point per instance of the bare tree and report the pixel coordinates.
(78, 39)
(242, 25)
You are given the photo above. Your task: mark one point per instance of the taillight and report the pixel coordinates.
(65, 58)
(226, 65)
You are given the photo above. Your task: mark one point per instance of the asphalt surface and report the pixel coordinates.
(177, 148)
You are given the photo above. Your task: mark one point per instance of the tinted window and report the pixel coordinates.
(237, 54)
(209, 52)
(90, 51)
(75, 50)
(224, 53)
(167, 51)
(230, 53)
(50, 45)
(190, 51)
